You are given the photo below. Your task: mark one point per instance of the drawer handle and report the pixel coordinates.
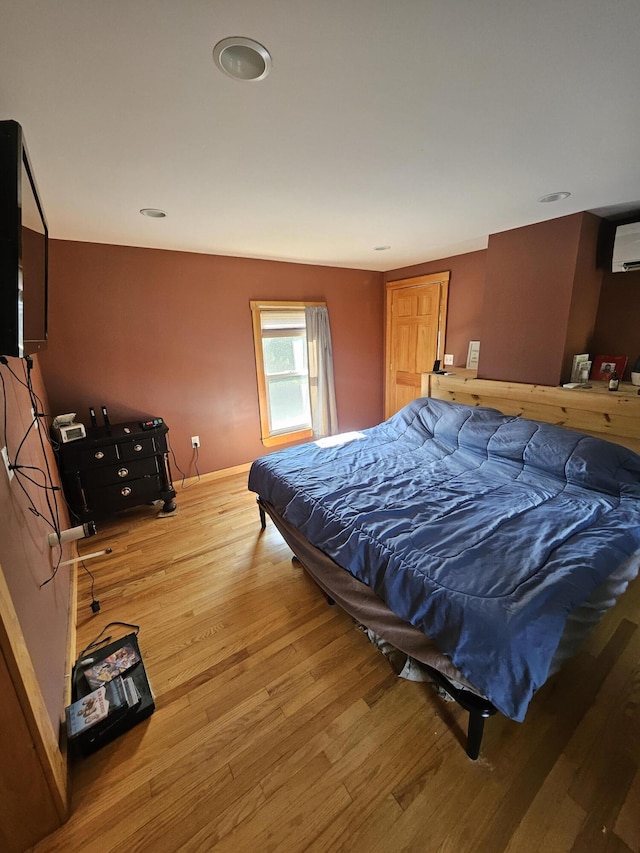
(137, 447)
(122, 472)
(125, 492)
(99, 454)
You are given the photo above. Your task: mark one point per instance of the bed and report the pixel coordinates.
(484, 546)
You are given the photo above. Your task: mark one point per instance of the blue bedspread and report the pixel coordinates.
(483, 530)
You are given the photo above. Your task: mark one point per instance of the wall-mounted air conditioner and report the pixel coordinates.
(626, 248)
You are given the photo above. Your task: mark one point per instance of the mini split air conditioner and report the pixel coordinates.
(626, 248)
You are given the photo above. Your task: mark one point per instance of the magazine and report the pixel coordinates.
(105, 670)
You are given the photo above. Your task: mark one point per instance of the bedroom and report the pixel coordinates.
(132, 327)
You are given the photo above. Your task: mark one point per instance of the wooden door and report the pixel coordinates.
(416, 326)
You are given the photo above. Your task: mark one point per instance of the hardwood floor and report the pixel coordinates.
(279, 727)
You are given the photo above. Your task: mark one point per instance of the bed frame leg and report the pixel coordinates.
(474, 733)
(479, 709)
(263, 515)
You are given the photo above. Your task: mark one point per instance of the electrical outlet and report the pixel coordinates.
(195, 441)
(36, 422)
(5, 458)
(448, 360)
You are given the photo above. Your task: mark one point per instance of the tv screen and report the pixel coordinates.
(23, 250)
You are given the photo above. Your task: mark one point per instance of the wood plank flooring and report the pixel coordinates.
(279, 727)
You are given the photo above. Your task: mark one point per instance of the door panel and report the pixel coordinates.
(403, 305)
(404, 347)
(426, 304)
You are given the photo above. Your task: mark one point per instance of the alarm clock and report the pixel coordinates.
(67, 429)
(71, 432)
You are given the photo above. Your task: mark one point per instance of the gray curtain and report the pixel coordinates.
(322, 395)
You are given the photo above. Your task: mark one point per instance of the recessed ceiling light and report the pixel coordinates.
(153, 212)
(381, 248)
(553, 197)
(242, 58)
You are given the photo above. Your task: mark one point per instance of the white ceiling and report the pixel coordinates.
(425, 125)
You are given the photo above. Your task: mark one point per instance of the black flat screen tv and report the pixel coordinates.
(23, 250)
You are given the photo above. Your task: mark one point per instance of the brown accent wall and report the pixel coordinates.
(617, 329)
(529, 306)
(585, 295)
(466, 295)
(153, 332)
(25, 556)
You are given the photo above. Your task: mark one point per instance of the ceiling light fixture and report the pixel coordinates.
(153, 212)
(553, 197)
(242, 58)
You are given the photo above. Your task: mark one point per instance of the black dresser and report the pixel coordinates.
(116, 467)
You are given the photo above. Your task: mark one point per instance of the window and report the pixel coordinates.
(284, 360)
(287, 394)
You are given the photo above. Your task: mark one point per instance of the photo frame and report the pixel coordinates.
(473, 355)
(581, 366)
(604, 365)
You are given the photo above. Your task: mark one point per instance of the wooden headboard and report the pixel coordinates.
(613, 415)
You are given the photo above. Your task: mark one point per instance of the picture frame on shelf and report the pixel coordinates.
(604, 365)
(473, 355)
(580, 367)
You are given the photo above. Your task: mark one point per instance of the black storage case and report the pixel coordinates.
(109, 729)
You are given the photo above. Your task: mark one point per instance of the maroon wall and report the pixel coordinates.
(585, 295)
(617, 330)
(529, 286)
(153, 332)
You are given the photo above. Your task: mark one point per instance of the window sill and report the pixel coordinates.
(287, 438)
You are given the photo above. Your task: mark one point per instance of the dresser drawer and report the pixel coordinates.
(124, 495)
(124, 471)
(137, 448)
(98, 457)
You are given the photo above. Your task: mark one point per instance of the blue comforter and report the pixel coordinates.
(483, 530)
